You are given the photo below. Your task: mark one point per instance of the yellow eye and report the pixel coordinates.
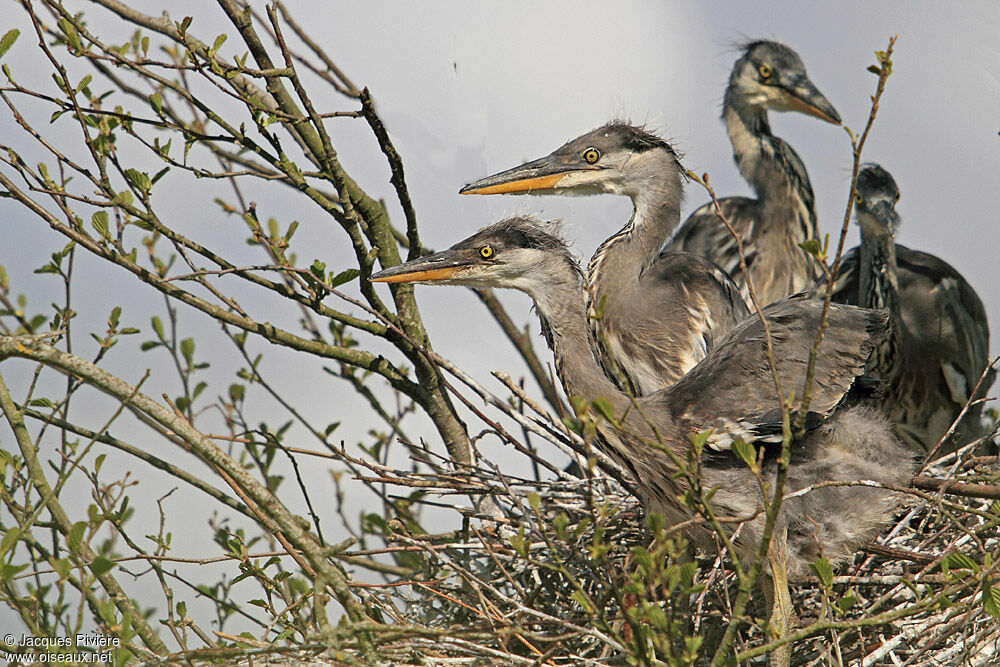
(486, 251)
(858, 199)
(765, 70)
(591, 155)
(896, 199)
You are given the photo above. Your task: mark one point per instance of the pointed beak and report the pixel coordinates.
(883, 211)
(432, 268)
(537, 175)
(805, 98)
(878, 218)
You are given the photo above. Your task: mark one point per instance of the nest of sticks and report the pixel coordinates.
(568, 571)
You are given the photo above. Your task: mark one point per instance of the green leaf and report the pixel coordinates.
(62, 567)
(559, 522)
(219, 41)
(656, 617)
(343, 277)
(138, 179)
(9, 540)
(318, 269)
(847, 601)
(156, 100)
(7, 572)
(100, 222)
(534, 500)
(84, 82)
(116, 313)
(68, 29)
(959, 561)
(101, 565)
(8, 40)
(579, 405)
(574, 425)
(991, 601)
(699, 440)
(603, 408)
(187, 349)
(824, 571)
(158, 327)
(160, 174)
(42, 403)
(76, 536)
(746, 452)
(812, 247)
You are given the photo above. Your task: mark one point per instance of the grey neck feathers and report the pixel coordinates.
(770, 165)
(656, 193)
(561, 307)
(879, 288)
(878, 283)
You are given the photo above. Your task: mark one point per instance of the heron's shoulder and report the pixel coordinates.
(928, 277)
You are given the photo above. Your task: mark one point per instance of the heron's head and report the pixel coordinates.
(770, 75)
(875, 201)
(517, 253)
(617, 158)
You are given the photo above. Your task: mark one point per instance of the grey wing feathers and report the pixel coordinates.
(696, 305)
(958, 326)
(704, 233)
(742, 403)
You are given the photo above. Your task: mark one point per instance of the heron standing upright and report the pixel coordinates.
(728, 392)
(768, 75)
(938, 347)
(655, 314)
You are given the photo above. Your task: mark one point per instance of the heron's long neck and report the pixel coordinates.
(878, 283)
(561, 307)
(620, 260)
(770, 165)
(878, 286)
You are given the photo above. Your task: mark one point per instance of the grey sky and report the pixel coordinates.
(467, 89)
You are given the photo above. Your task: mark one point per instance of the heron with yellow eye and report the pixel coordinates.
(782, 216)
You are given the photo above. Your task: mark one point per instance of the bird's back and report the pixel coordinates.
(743, 402)
(771, 233)
(731, 391)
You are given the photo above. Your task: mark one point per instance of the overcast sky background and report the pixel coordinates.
(467, 89)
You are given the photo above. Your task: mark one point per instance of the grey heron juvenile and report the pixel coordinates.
(729, 391)
(768, 75)
(938, 347)
(659, 313)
